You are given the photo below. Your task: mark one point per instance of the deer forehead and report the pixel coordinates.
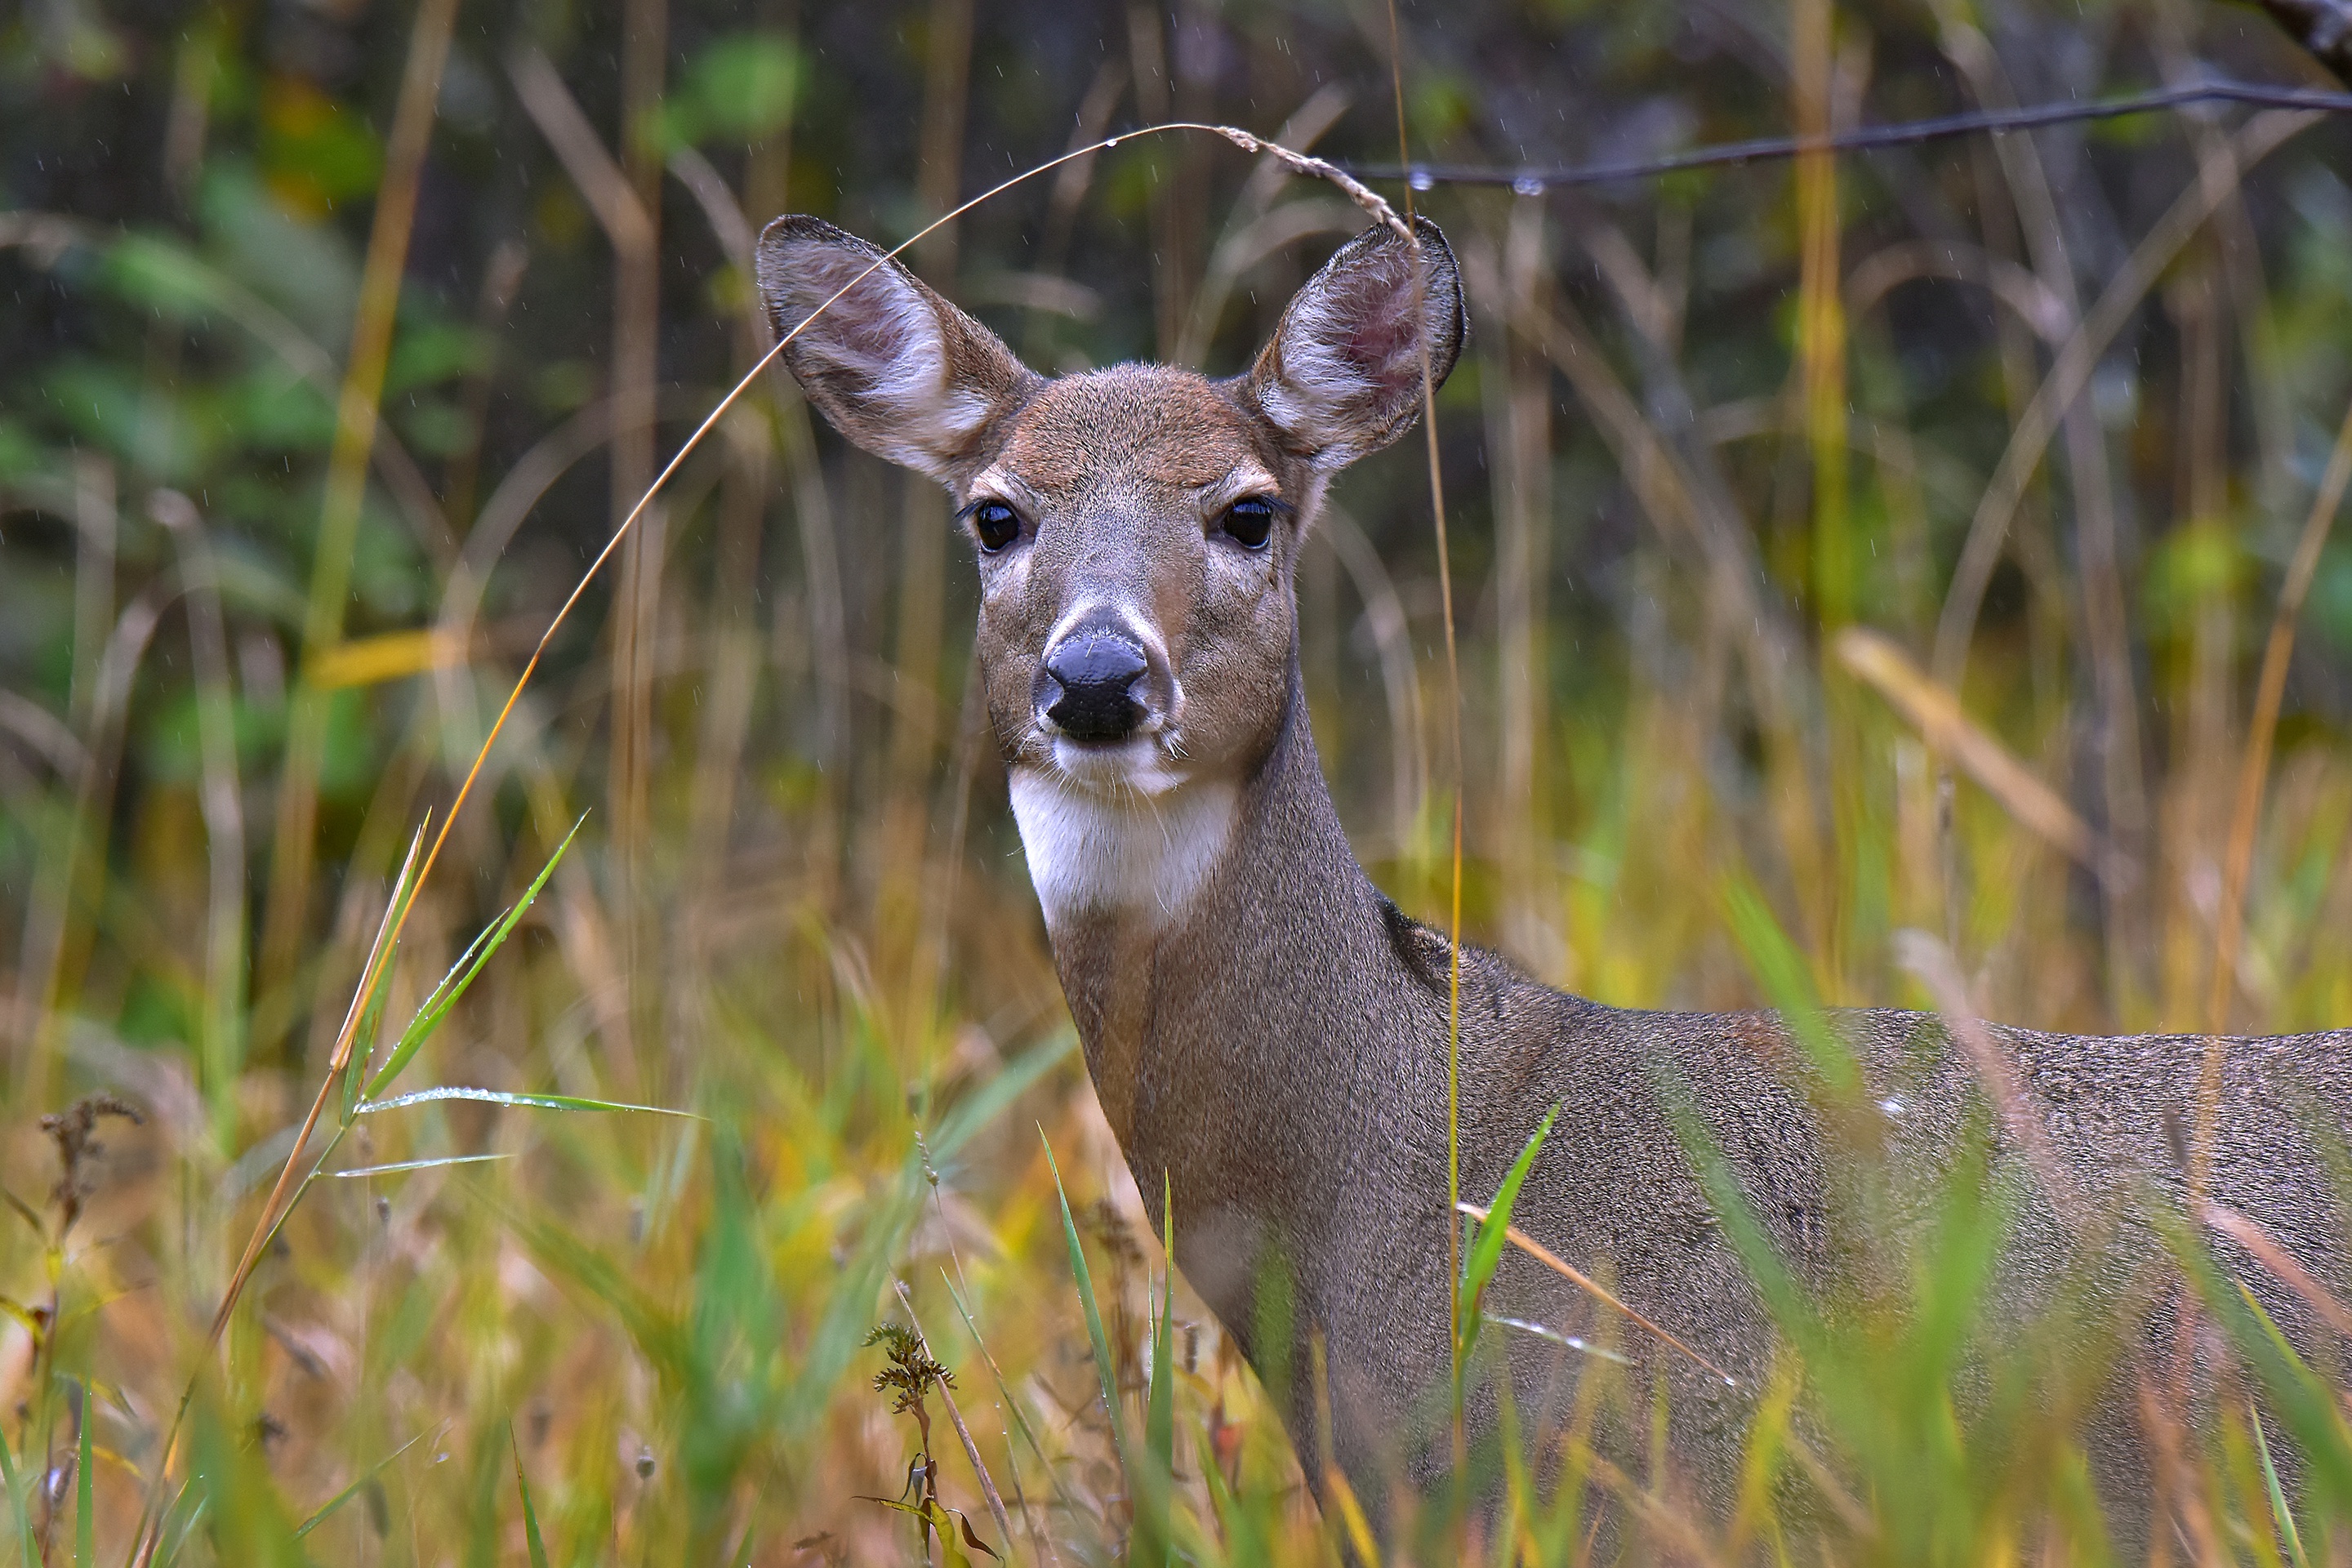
(1146, 426)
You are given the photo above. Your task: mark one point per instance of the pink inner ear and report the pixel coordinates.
(1386, 344)
(868, 323)
(1382, 345)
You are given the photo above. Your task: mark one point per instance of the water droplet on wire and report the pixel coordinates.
(1527, 185)
(1421, 180)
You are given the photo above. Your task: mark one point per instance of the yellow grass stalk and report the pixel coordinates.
(2069, 374)
(2253, 773)
(287, 1189)
(1936, 713)
(1591, 1287)
(356, 416)
(1454, 711)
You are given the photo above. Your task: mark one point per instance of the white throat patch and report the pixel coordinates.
(1109, 850)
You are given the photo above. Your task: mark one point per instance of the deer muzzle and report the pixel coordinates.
(1093, 684)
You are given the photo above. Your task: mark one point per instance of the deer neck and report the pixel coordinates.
(1185, 924)
(1258, 1042)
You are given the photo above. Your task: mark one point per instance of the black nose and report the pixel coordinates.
(1096, 672)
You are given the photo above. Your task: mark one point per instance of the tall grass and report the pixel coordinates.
(2050, 419)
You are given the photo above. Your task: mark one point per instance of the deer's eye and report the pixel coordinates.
(996, 524)
(1249, 521)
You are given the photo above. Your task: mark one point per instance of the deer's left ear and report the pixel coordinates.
(894, 367)
(1341, 375)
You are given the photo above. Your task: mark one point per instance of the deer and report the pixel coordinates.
(1268, 1034)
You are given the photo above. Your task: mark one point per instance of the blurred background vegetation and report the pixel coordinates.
(340, 335)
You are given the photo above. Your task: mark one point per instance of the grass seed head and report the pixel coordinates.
(910, 1372)
(75, 1133)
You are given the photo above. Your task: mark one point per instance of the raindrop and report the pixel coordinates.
(1421, 180)
(1527, 185)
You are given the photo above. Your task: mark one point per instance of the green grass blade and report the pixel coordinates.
(416, 1165)
(1787, 984)
(1486, 1247)
(530, 1536)
(85, 1501)
(1784, 1298)
(1012, 1407)
(326, 1510)
(2282, 1515)
(1103, 1370)
(2300, 1397)
(9, 1476)
(174, 1528)
(364, 1043)
(1159, 1407)
(437, 1006)
(24, 1211)
(939, 1522)
(249, 1525)
(461, 975)
(530, 1101)
(375, 976)
(2327, 1441)
(1159, 1419)
(166, 278)
(978, 1108)
(563, 1253)
(845, 1318)
(310, 1177)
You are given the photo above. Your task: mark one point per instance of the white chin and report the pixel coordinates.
(1119, 837)
(1136, 763)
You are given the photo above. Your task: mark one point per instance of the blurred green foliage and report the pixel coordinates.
(799, 909)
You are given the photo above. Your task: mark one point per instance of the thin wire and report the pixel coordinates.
(1535, 179)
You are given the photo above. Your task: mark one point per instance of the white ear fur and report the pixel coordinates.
(1341, 376)
(895, 368)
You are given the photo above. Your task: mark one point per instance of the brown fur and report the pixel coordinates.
(1276, 1046)
(1114, 460)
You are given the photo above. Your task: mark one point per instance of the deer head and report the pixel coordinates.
(1136, 528)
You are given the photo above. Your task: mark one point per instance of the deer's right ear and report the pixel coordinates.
(1341, 375)
(896, 369)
